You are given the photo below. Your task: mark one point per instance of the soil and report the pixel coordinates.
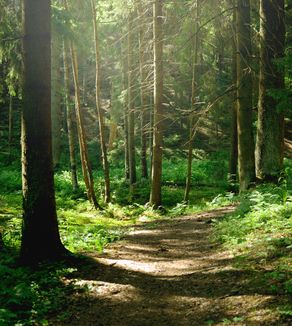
(169, 274)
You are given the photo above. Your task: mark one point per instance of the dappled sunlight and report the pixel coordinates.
(130, 265)
(123, 292)
(177, 277)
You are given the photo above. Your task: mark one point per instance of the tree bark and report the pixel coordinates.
(70, 126)
(126, 113)
(85, 162)
(56, 100)
(131, 104)
(270, 132)
(10, 126)
(246, 161)
(143, 94)
(155, 195)
(233, 158)
(40, 233)
(100, 114)
(193, 99)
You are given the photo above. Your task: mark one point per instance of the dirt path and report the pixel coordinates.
(170, 275)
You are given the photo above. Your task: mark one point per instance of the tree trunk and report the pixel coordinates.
(143, 96)
(10, 126)
(1, 242)
(126, 113)
(70, 126)
(131, 104)
(193, 99)
(270, 133)
(155, 196)
(40, 233)
(102, 140)
(113, 135)
(246, 163)
(56, 100)
(85, 163)
(233, 158)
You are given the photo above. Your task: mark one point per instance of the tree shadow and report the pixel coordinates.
(170, 275)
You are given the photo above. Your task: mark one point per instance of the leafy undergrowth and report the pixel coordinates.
(259, 233)
(29, 296)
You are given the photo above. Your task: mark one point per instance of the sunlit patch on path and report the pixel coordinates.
(170, 275)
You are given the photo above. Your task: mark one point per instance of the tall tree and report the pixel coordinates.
(85, 161)
(40, 233)
(125, 114)
(143, 94)
(70, 114)
(246, 162)
(56, 99)
(193, 124)
(131, 103)
(233, 158)
(270, 132)
(100, 114)
(155, 195)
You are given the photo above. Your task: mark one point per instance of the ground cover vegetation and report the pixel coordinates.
(134, 113)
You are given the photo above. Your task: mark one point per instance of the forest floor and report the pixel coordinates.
(170, 273)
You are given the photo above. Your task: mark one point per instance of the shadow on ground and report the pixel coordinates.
(170, 275)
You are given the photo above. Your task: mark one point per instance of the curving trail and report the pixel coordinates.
(170, 274)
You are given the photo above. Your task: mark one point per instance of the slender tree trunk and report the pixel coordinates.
(86, 166)
(193, 100)
(151, 128)
(131, 104)
(100, 112)
(85, 162)
(56, 100)
(70, 126)
(143, 94)
(246, 161)
(10, 125)
(40, 233)
(1, 242)
(155, 195)
(113, 135)
(270, 133)
(233, 158)
(126, 113)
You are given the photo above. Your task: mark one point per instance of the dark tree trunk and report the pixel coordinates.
(70, 126)
(193, 123)
(10, 126)
(233, 158)
(40, 233)
(270, 135)
(126, 113)
(56, 100)
(131, 104)
(100, 114)
(246, 162)
(155, 196)
(143, 94)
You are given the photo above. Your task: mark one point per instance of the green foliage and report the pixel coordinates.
(28, 296)
(259, 232)
(260, 216)
(210, 170)
(10, 180)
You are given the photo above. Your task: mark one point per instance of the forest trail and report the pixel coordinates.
(170, 274)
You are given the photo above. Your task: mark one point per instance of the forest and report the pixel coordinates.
(145, 162)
